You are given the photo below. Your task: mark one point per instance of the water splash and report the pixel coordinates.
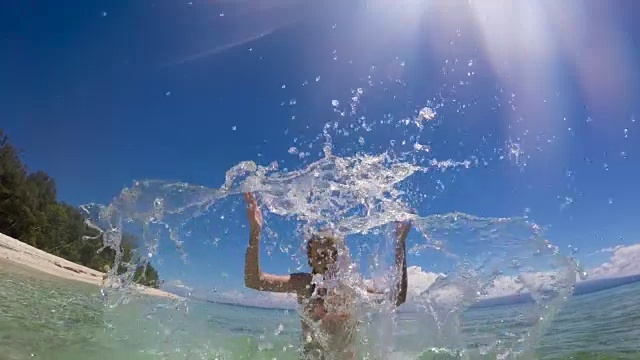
(493, 261)
(481, 259)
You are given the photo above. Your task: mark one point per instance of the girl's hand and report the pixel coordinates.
(253, 212)
(403, 227)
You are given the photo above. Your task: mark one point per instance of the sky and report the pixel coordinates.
(540, 96)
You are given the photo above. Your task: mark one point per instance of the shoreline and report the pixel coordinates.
(16, 252)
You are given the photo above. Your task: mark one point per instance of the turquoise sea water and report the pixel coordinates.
(42, 317)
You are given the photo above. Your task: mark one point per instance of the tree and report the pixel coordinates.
(16, 217)
(30, 212)
(147, 275)
(42, 189)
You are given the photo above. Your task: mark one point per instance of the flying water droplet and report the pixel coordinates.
(583, 275)
(426, 114)
(157, 203)
(567, 201)
(279, 330)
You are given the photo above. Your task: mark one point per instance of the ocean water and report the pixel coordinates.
(42, 317)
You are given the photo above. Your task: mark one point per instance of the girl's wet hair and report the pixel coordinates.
(323, 236)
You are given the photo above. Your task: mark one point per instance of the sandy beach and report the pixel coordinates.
(15, 251)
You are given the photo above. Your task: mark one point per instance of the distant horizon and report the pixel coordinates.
(608, 283)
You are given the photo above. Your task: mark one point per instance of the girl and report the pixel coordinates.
(327, 328)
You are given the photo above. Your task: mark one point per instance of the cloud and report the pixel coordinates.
(607, 250)
(624, 261)
(420, 281)
(526, 282)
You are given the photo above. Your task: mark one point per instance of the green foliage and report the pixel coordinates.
(147, 275)
(30, 212)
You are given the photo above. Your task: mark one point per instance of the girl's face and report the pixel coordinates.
(322, 254)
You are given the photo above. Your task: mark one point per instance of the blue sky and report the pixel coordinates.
(100, 93)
